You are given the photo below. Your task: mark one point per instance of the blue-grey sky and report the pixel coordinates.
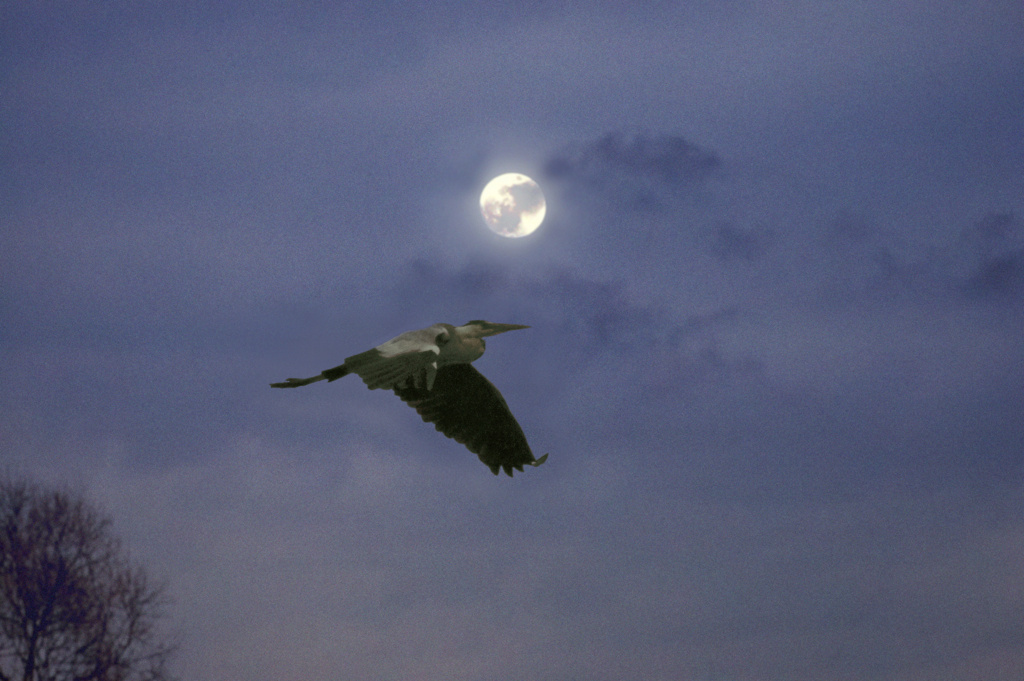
(776, 349)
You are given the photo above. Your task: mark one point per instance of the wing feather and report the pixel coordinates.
(380, 371)
(467, 407)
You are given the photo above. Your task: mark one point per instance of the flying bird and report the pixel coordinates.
(431, 371)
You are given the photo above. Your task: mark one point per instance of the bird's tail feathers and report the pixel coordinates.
(297, 382)
(335, 373)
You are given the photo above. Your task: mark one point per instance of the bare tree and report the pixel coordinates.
(72, 606)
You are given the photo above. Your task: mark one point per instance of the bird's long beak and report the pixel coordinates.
(495, 329)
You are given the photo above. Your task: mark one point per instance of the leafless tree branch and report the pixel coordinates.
(72, 606)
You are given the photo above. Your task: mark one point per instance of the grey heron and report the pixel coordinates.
(431, 371)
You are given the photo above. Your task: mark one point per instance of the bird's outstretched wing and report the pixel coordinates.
(411, 356)
(467, 407)
(379, 371)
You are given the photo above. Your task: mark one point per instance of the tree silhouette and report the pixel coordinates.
(72, 606)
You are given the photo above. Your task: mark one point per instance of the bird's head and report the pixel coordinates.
(478, 328)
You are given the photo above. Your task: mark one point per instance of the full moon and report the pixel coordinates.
(513, 205)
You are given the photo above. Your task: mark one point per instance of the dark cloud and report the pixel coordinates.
(998, 276)
(856, 260)
(853, 227)
(646, 169)
(732, 244)
(994, 232)
(668, 158)
(996, 243)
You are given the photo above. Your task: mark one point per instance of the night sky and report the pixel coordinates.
(776, 355)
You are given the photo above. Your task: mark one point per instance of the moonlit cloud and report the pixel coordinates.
(668, 158)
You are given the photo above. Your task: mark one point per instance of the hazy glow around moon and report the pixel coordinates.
(512, 205)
